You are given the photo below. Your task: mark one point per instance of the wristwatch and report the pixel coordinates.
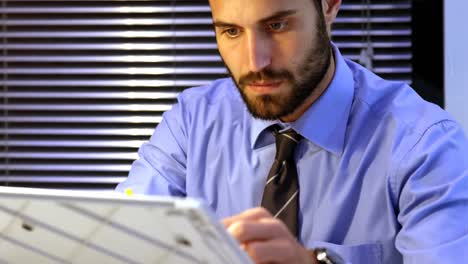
(325, 256)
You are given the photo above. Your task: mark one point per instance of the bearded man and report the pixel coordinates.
(304, 152)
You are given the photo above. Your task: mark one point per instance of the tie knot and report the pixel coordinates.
(286, 143)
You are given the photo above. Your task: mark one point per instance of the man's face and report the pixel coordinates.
(276, 51)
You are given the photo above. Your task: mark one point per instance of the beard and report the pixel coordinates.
(310, 72)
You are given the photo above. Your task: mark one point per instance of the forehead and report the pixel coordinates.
(251, 11)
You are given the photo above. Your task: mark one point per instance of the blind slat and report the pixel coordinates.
(90, 95)
(102, 120)
(172, 21)
(70, 155)
(176, 46)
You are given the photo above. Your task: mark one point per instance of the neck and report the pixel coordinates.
(315, 95)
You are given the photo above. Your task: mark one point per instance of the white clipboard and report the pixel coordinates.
(56, 226)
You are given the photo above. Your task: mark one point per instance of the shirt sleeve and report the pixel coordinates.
(161, 165)
(433, 197)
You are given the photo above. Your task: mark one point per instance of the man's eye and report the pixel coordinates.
(232, 32)
(278, 26)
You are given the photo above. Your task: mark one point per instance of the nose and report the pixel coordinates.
(259, 51)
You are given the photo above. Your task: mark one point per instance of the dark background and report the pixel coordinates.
(428, 49)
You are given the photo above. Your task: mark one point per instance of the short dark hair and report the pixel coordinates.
(318, 5)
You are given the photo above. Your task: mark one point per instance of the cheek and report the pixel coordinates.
(232, 58)
(297, 50)
(287, 54)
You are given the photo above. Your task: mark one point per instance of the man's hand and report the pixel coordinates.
(266, 239)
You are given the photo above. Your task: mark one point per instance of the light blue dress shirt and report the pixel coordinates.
(383, 175)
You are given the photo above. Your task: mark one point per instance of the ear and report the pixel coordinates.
(330, 11)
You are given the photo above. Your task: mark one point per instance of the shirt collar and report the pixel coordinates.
(325, 122)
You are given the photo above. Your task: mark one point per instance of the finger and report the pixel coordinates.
(250, 214)
(277, 251)
(263, 229)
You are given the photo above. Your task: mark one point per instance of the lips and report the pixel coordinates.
(264, 87)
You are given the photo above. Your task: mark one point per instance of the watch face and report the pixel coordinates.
(325, 256)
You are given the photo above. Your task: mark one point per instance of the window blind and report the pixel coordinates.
(84, 83)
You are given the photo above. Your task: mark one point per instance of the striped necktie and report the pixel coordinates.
(281, 194)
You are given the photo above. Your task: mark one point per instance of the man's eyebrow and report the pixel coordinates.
(219, 23)
(277, 15)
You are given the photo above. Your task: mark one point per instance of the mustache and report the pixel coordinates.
(266, 74)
